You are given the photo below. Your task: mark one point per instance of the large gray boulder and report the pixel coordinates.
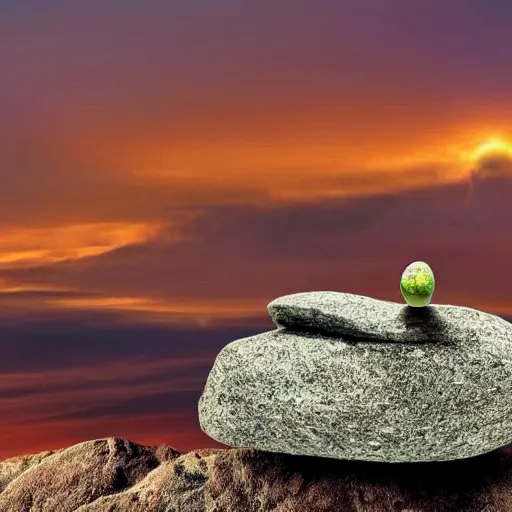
(447, 397)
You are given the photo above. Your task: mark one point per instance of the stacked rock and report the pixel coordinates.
(353, 377)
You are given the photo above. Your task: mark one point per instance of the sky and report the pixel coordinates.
(169, 168)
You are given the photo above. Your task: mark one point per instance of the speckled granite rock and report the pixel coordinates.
(117, 475)
(357, 316)
(370, 400)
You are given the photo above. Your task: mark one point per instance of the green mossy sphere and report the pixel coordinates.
(417, 284)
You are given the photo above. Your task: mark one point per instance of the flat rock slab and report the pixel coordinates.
(392, 402)
(357, 316)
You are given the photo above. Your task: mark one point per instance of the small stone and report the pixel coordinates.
(417, 284)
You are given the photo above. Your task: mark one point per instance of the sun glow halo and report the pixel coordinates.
(492, 146)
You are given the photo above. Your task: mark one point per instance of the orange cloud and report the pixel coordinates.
(233, 260)
(170, 312)
(27, 246)
(130, 211)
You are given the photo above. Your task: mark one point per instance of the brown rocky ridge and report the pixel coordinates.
(115, 474)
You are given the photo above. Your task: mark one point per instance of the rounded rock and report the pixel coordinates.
(417, 284)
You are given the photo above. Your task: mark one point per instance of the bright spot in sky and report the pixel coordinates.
(491, 159)
(492, 147)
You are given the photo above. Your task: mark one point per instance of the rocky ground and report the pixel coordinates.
(115, 474)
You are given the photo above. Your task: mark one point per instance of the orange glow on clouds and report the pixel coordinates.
(492, 146)
(25, 246)
(297, 164)
(182, 312)
(159, 175)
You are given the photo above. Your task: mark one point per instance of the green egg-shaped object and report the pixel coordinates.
(417, 284)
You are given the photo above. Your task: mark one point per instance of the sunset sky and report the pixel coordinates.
(170, 167)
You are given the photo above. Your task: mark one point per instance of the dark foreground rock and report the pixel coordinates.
(114, 475)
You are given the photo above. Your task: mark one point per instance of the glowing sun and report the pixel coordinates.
(491, 159)
(491, 148)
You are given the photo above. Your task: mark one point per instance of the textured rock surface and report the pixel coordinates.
(395, 402)
(348, 315)
(15, 466)
(66, 479)
(79, 479)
